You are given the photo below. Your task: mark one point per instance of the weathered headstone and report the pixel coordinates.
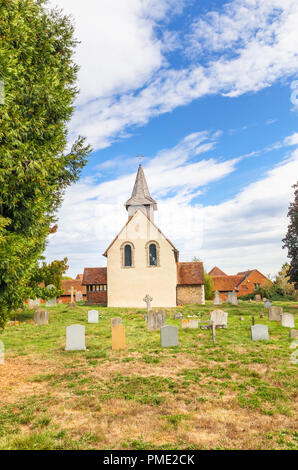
(267, 304)
(274, 313)
(193, 323)
(118, 337)
(293, 333)
(258, 298)
(259, 332)
(178, 316)
(51, 302)
(116, 321)
(75, 338)
(155, 320)
(168, 336)
(234, 299)
(287, 320)
(72, 303)
(219, 317)
(229, 298)
(79, 296)
(92, 316)
(41, 317)
(147, 299)
(33, 303)
(217, 300)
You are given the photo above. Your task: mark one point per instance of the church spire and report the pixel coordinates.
(140, 198)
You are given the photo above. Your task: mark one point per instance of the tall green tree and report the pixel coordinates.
(291, 239)
(39, 75)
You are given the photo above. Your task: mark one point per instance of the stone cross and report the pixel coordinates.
(147, 299)
(72, 294)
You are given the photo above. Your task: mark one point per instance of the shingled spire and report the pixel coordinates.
(140, 198)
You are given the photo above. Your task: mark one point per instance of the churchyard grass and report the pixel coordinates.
(234, 394)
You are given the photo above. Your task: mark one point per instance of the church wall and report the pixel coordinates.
(192, 294)
(127, 286)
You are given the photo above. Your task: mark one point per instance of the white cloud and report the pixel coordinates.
(292, 139)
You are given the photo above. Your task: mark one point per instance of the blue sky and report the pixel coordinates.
(204, 90)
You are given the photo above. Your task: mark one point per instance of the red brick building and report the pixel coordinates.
(96, 284)
(67, 284)
(242, 283)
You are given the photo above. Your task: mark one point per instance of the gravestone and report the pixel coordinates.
(178, 316)
(274, 313)
(259, 332)
(267, 304)
(193, 323)
(32, 304)
(229, 298)
(287, 320)
(258, 298)
(72, 303)
(168, 336)
(116, 321)
(92, 316)
(79, 296)
(217, 300)
(75, 338)
(219, 317)
(118, 337)
(293, 333)
(147, 299)
(234, 299)
(51, 302)
(41, 317)
(155, 320)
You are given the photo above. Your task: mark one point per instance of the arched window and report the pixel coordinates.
(127, 256)
(152, 249)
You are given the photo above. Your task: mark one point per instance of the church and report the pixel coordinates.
(141, 260)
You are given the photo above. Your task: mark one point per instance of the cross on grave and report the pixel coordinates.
(147, 299)
(72, 291)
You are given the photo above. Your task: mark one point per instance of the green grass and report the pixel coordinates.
(194, 396)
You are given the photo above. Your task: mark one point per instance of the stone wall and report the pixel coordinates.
(190, 294)
(97, 298)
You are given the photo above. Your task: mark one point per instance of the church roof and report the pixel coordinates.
(140, 194)
(94, 276)
(226, 283)
(190, 273)
(216, 272)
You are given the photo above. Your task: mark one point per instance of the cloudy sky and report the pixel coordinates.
(207, 91)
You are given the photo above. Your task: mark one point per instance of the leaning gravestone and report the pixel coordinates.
(51, 302)
(155, 320)
(267, 304)
(259, 332)
(217, 300)
(274, 313)
(92, 316)
(219, 317)
(118, 337)
(79, 296)
(168, 336)
(75, 338)
(116, 321)
(33, 303)
(287, 320)
(41, 317)
(294, 334)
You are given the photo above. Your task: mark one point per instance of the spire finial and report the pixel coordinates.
(140, 158)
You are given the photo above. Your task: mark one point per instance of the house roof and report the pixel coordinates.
(226, 283)
(94, 276)
(216, 272)
(75, 283)
(79, 276)
(190, 273)
(129, 219)
(140, 194)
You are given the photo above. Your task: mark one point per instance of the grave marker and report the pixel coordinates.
(219, 317)
(168, 336)
(75, 338)
(217, 300)
(274, 313)
(287, 320)
(92, 316)
(118, 337)
(155, 320)
(41, 317)
(116, 321)
(259, 332)
(51, 302)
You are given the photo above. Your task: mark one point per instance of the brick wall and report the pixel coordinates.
(189, 294)
(97, 298)
(247, 286)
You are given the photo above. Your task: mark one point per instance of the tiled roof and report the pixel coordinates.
(76, 283)
(79, 276)
(216, 272)
(94, 276)
(190, 273)
(226, 283)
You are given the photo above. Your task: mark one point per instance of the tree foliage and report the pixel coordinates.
(209, 288)
(291, 239)
(39, 75)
